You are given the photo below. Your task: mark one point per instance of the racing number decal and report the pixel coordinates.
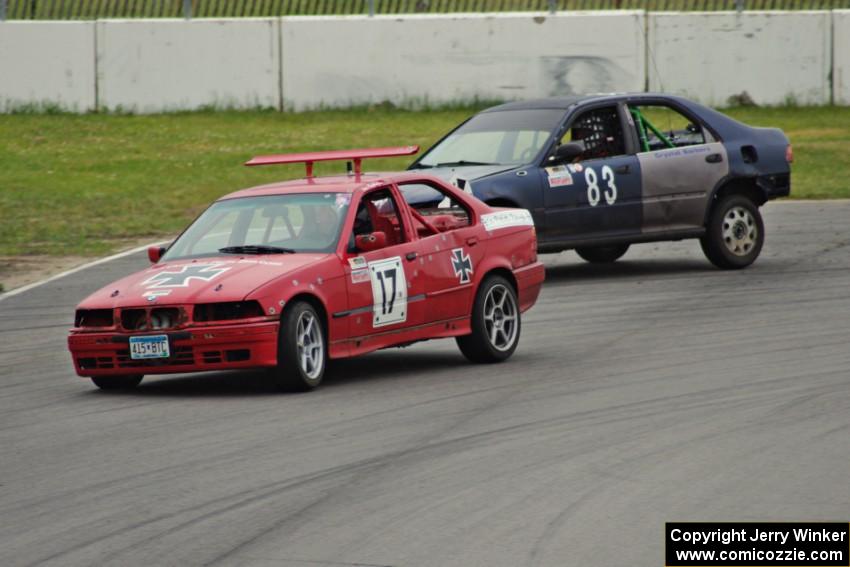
(387, 299)
(608, 176)
(389, 292)
(593, 193)
(592, 187)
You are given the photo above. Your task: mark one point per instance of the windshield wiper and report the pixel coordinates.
(255, 249)
(462, 162)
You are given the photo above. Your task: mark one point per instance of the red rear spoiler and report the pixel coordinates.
(357, 156)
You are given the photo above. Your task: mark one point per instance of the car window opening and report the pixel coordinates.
(600, 132)
(679, 130)
(377, 216)
(438, 209)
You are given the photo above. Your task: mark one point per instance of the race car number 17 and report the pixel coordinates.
(389, 292)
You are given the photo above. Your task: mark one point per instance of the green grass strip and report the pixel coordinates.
(75, 184)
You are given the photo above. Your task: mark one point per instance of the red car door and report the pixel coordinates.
(386, 288)
(449, 256)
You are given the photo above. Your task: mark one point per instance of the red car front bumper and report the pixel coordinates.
(224, 347)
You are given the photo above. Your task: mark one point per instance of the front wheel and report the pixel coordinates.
(735, 233)
(602, 254)
(301, 354)
(116, 382)
(495, 323)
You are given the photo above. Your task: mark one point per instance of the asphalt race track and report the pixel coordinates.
(657, 389)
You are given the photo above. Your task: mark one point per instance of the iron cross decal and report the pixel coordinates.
(184, 275)
(462, 264)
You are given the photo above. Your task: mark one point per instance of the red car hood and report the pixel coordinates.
(202, 280)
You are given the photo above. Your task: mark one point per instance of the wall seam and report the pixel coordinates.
(280, 64)
(831, 76)
(96, 69)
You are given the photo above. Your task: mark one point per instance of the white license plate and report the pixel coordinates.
(151, 346)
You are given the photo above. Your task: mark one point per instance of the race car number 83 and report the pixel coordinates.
(593, 192)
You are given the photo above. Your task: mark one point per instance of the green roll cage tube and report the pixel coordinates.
(643, 124)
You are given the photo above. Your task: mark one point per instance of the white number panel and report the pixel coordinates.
(389, 292)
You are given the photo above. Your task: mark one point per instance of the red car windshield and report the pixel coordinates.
(303, 222)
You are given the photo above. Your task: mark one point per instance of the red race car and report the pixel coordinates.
(287, 275)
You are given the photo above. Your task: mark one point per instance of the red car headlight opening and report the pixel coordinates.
(94, 318)
(227, 311)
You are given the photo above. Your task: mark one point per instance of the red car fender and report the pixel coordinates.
(492, 263)
(323, 285)
(514, 256)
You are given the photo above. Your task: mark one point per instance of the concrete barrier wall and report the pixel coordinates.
(305, 62)
(775, 57)
(47, 63)
(351, 60)
(151, 65)
(841, 57)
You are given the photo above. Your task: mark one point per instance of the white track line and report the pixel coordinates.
(20, 290)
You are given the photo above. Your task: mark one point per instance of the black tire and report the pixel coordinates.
(116, 382)
(479, 346)
(301, 362)
(734, 234)
(603, 254)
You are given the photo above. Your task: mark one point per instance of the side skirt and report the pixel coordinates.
(437, 330)
(558, 245)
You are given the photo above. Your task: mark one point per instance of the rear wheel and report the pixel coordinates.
(116, 382)
(602, 254)
(735, 233)
(302, 355)
(495, 323)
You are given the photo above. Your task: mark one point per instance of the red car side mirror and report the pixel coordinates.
(369, 242)
(155, 253)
